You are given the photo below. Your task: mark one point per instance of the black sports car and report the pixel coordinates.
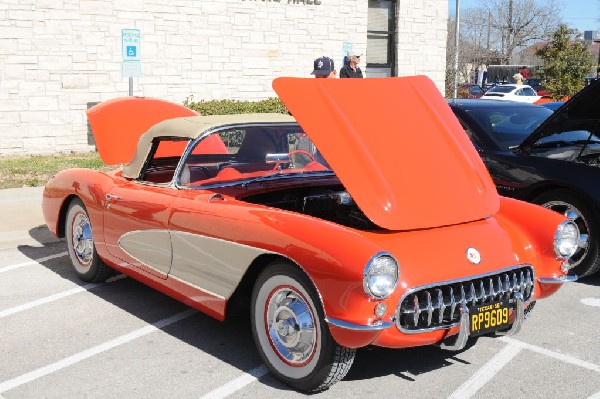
(551, 159)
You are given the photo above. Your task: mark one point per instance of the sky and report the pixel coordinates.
(579, 14)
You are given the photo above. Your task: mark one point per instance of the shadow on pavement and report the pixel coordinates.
(593, 280)
(230, 341)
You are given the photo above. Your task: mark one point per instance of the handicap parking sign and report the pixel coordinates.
(131, 44)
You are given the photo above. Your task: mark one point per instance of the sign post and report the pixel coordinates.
(132, 57)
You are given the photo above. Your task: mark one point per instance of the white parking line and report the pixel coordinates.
(32, 262)
(78, 357)
(486, 373)
(594, 396)
(237, 384)
(591, 301)
(555, 355)
(55, 297)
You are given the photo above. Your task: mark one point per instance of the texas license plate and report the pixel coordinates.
(488, 318)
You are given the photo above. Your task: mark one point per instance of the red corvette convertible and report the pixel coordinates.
(338, 226)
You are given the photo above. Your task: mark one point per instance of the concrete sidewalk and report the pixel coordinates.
(21, 218)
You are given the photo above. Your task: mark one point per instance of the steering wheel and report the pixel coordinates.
(307, 154)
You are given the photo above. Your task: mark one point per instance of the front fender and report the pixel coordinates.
(88, 185)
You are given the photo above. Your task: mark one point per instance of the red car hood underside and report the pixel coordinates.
(397, 148)
(118, 124)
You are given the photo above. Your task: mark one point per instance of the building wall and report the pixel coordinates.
(422, 32)
(58, 56)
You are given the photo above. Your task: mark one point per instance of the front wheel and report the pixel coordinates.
(80, 243)
(586, 259)
(290, 332)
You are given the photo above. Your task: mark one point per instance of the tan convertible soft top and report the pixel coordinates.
(192, 127)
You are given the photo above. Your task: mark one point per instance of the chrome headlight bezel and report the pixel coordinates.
(375, 270)
(564, 229)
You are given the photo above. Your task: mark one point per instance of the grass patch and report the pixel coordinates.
(35, 170)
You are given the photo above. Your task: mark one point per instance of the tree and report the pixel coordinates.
(517, 23)
(566, 62)
(497, 28)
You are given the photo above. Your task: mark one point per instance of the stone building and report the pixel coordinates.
(57, 57)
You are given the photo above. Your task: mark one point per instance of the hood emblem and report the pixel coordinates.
(473, 256)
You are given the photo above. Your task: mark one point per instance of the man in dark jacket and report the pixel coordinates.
(351, 69)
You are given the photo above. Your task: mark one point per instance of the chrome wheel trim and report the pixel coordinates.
(568, 210)
(81, 239)
(291, 326)
(273, 357)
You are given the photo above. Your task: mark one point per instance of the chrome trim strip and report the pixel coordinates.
(380, 325)
(207, 292)
(461, 339)
(558, 280)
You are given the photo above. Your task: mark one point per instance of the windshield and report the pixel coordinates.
(501, 89)
(246, 153)
(509, 126)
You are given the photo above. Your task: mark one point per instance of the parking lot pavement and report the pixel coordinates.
(63, 338)
(21, 208)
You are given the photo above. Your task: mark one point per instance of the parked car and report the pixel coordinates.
(551, 159)
(512, 92)
(552, 105)
(469, 90)
(362, 242)
(537, 84)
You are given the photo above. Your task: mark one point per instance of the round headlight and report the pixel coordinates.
(381, 276)
(566, 239)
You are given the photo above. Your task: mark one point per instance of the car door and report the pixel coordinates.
(136, 220)
(137, 211)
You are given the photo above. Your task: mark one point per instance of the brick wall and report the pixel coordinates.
(422, 33)
(57, 56)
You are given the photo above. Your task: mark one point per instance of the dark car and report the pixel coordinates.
(548, 158)
(553, 105)
(538, 85)
(470, 90)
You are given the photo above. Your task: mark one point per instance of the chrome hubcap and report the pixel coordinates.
(291, 326)
(574, 214)
(82, 239)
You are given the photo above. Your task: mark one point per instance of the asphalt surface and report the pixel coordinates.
(63, 338)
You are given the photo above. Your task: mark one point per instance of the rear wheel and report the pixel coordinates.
(587, 257)
(290, 332)
(80, 243)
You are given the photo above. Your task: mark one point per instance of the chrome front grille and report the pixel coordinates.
(438, 305)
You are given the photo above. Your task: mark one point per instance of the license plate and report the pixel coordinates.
(489, 318)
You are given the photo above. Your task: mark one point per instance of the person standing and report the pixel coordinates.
(351, 69)
(324, 68)
(518, 78)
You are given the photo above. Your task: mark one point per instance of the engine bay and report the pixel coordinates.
(331, 203)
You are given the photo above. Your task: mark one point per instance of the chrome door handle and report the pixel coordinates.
(109, 198)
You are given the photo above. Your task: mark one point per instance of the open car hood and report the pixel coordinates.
(581, 112)
(118, 124)
(397, 148)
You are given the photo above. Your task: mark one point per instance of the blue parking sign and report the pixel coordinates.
(130, 39)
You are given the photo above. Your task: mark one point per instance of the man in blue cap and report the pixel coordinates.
(324, 68)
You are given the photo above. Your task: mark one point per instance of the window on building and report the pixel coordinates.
(381, 26)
